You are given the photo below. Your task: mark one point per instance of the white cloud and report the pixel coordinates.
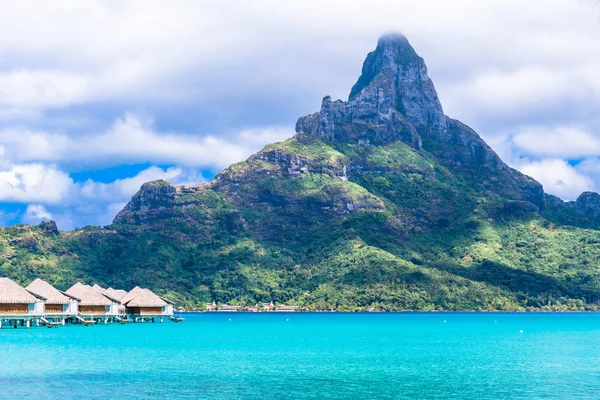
(558, 178)
(41, 88)
(130, 141)
(527, 89)
(34, 183)
(590, 167)
(566, 142)
(36, 213)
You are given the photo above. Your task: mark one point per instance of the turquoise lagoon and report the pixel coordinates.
(310, 356)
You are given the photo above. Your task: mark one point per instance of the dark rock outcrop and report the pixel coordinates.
(49, 227)
(588, 203)
(397, 78)
(151, 201)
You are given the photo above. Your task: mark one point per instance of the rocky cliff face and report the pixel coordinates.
(152, 200)
(396, 78)
(588, 203)
(394, 100)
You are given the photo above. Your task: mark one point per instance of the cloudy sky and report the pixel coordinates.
(98, 97)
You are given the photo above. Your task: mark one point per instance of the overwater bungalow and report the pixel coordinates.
(94, 305)
(59, 306)
(117, 309)
(144, 305)
(18, 306)
(44, 304)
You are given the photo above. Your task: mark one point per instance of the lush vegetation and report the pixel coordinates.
(404, 232)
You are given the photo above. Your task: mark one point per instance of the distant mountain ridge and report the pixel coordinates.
(381, 201)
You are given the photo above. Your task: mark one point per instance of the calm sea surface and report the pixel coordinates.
(310, 356)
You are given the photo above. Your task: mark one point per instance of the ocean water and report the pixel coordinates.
(310, 356)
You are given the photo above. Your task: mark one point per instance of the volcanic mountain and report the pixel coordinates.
(378, 202)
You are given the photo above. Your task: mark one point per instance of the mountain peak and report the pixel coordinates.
(395, 100)
(396, 71)
(393, 50)
(393, 91)
(395, 45)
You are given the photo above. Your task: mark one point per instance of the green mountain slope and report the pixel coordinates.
(378, 202)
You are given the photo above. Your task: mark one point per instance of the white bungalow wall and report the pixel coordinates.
(115, 309)
(71, 308)
(36, 308)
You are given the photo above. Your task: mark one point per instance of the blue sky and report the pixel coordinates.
(98, 98)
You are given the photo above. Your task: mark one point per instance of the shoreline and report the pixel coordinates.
(389, 312)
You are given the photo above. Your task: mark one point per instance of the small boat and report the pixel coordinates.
(89, 322)
(176, 319)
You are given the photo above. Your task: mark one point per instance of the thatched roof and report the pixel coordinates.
(167, 300)
(131, 294)
(52, 295)
(12, 293)
(103, 291)
(89, 296)
(146, 298)
(76, 289)
(99, 288)
(116, 293)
